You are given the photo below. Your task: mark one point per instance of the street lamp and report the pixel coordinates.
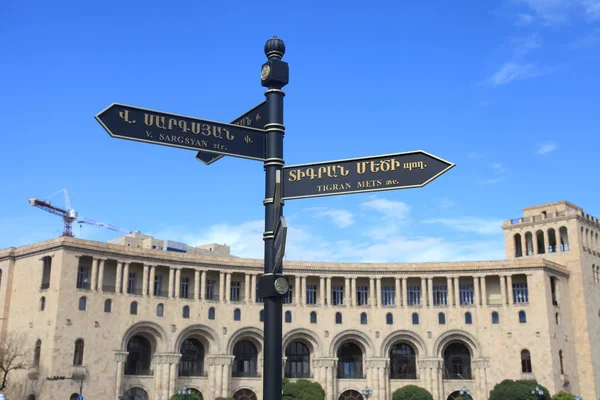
(465, 391)
(185, 391)
(539, 393)
(366, 392)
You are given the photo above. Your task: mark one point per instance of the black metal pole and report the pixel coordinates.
(274, 76)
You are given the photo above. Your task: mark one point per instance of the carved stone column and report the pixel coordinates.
(329, 295)
(378, 292)
(152, 279)
(120, 358)
(347, 292)
(228, 287)
(246, 288)
(503, 290)
(93, 282)
(178, 283)
(449, 292)
(509, 290)
(202, 285)
(457, 291)
(484, 299)
(398, 294)
(101, 274)
(125, 277)
(430, 291)
(119, 277)
(196, 284)
(145, 281)
(171, 279)
(253, 289)
(297, 292)
(303, 291)
(353, 301)
(404, 292)
(322, 291)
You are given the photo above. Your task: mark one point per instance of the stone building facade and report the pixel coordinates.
(144, 323)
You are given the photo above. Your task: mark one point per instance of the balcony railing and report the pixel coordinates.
(453, 376)
(83, 285)
(137, 291)
(191, 374)
(298, 374)
(244, 374)
(398, 375)
(161, 294)
(109, 289)
(350, 375)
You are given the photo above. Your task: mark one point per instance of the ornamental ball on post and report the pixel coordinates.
(274, 48)
(274, 73)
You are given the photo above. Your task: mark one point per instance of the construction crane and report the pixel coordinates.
(69, 215)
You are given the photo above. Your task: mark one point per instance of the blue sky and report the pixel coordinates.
(505, 89)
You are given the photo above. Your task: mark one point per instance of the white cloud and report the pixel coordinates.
(340, 218)
(592, 8)
(387, 208)
(482, 226)
(525, 19)
(380, 242)
(546, 148)
(512, 72)
(556, 12)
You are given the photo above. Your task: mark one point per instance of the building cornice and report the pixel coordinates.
(324, 269)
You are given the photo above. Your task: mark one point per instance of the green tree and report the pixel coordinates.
(411, 392)
(517, 390)
(302, 389)
(183, 397)
(224, 398)
(562, 395)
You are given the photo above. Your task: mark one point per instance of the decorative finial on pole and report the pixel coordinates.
(274, 48)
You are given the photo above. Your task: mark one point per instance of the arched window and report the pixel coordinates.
(562, 366)
(192, 358)
(82, 303)
(78, 355)
(288, 317)
(211, 313)
(160, 310)
(468, 318)
(136, 393)
(244, 394)
(237, 314)
(442, 318)
(246, 356)
(415, 319)
(528, 244)
(186, 311)
(403, 362)
(540, 242)
(297, 363)
(31, 397)
(389, 318)
(563, 239)
(495, 318)
(552, 247)
(338, 317)
(518, 247)
(107, 305)
(37, 353)
(526, 362)
(457, 361)
(313, 317)
(42, 303)
(363, 318)
(522, 317)
(133, 308)
(46, 272)
(261, 315)
(140, 354)
(349, 361)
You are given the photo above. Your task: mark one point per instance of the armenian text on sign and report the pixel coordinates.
(133, 123)
(368, 174)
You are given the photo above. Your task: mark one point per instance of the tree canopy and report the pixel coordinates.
(517, 390)
(302, 389)
(411, 392)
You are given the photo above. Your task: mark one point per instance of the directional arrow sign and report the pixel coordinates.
(255, 118)
(143, 125)
(368, 174)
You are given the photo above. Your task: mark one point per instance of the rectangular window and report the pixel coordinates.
(362, 295)
(158, 285)
(287, 299)
(311, 294)
(337, 293)
(413, 295)
(440, 295)
(83, 278)
(258, 299)
(234, 291)
(210, 289)
(520, 293)
(466, 294)
(388, 295)
(184, 287)
(131, 283)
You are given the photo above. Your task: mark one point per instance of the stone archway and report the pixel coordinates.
(457, 396)
(350, 395)
(136, 393)
(244, 394)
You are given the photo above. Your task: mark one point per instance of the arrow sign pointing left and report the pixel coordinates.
(144, 125)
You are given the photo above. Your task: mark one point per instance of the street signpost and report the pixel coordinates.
(359, 175)
(253, 119)
(258, 135)
(279, 243)
(144, 125)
